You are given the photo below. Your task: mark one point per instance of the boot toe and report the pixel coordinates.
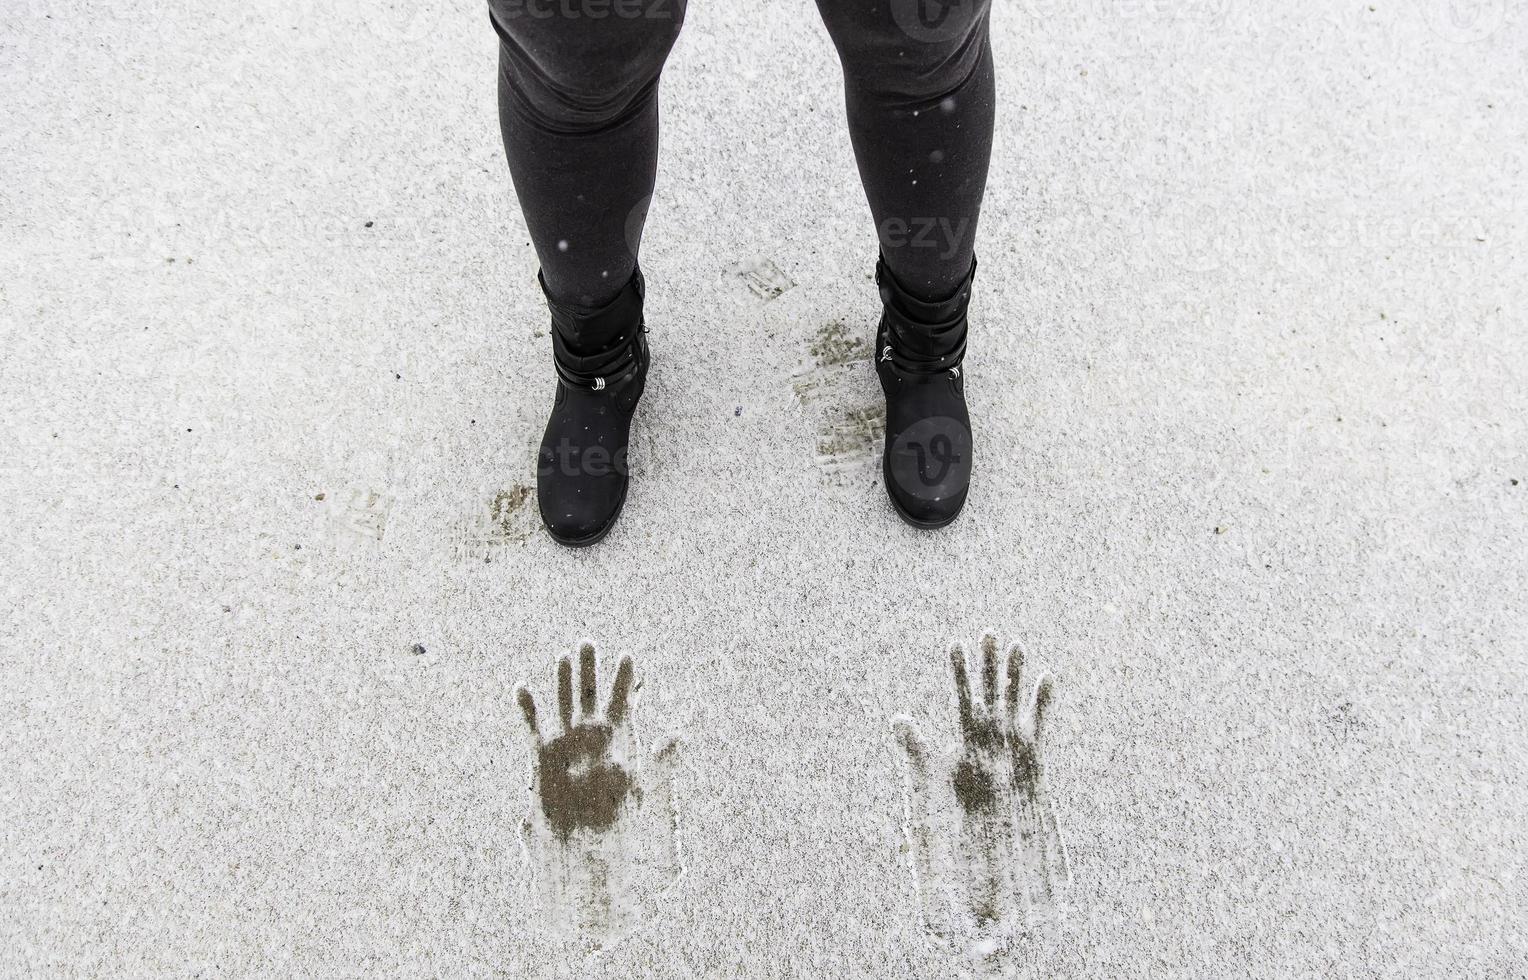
(581, 513)
(580, 489)
(929, 513)
(927, 469)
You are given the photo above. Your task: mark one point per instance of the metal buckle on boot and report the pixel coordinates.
(923, 364)
(619, 357)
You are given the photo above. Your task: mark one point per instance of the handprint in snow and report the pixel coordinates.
(987, 856)
(602, 831)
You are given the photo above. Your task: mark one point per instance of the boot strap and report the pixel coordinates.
(921, 337)
(616, 357)
(624, 361)
(908, 362)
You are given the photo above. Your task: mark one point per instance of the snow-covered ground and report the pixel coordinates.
(1248, 375)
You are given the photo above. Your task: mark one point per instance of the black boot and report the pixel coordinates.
(919, 349)
(601, 359)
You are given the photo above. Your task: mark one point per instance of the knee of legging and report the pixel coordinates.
(924, 51)
(576, 73)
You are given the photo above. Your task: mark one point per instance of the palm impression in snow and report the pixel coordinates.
(601, 836)
(987, 857)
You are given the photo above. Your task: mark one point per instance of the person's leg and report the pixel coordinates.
(918, 84)
(578, 83)
(578, 108)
